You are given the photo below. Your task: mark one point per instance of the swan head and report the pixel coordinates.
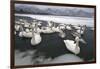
(50, 23)
(76, 38)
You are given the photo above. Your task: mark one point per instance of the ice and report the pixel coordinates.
(63, 19)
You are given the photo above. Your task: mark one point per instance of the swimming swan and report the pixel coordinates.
(36, 38)
(73, 47)
(81, 30)
(47, 29)
(59, 31)
(68, 27)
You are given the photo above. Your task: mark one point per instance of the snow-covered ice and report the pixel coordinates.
(63, 19)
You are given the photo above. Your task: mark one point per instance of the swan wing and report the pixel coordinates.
(36, 40)
(71, 46)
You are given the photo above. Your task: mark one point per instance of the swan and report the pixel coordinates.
(61, 34)
(78, 34)
(26, 24)
(22, 22)
(27, 30)
(59, 31)
(27, 33)
(77, 27)
(62, 26)
(47, 29)
(21, 31)
(36, 38)
(68, 27)
(18, 24)
(73, 47)
(81, 30)
(17, 27)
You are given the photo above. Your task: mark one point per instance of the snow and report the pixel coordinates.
(63, 19)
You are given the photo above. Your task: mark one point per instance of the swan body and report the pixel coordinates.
(26, 25)
(71, 46)
(27, 30)
(17, 27)
(36, 39)
(17, 22)
(56, 29)
(21, 33)
(80, 31)
(62, 34)
(62, 27)
(68, 28)
(46, 30)
(77, 27)
(27, 34)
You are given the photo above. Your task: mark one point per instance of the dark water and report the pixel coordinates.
(87, 51)
(52, 46)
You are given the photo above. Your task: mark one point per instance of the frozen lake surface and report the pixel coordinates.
(62, 19)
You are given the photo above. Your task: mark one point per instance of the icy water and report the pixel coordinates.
(51, 47)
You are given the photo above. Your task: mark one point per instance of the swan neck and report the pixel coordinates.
(36, 26)
(77, 41)
(21, 28)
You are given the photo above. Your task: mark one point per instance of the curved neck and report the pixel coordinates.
(77, 41)
(21, 28)
(84, 28)
(35, 28)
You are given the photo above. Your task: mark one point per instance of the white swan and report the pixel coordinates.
(68, 27)
(78, 34)
(73, 47)
(17, 27)
(47, 29)
(81, 30)
(59, 30)
(62, 26)
(36, 38)
(26, 24)
(77, 27)
(21, 31)
(27, 34)
(27, 30)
